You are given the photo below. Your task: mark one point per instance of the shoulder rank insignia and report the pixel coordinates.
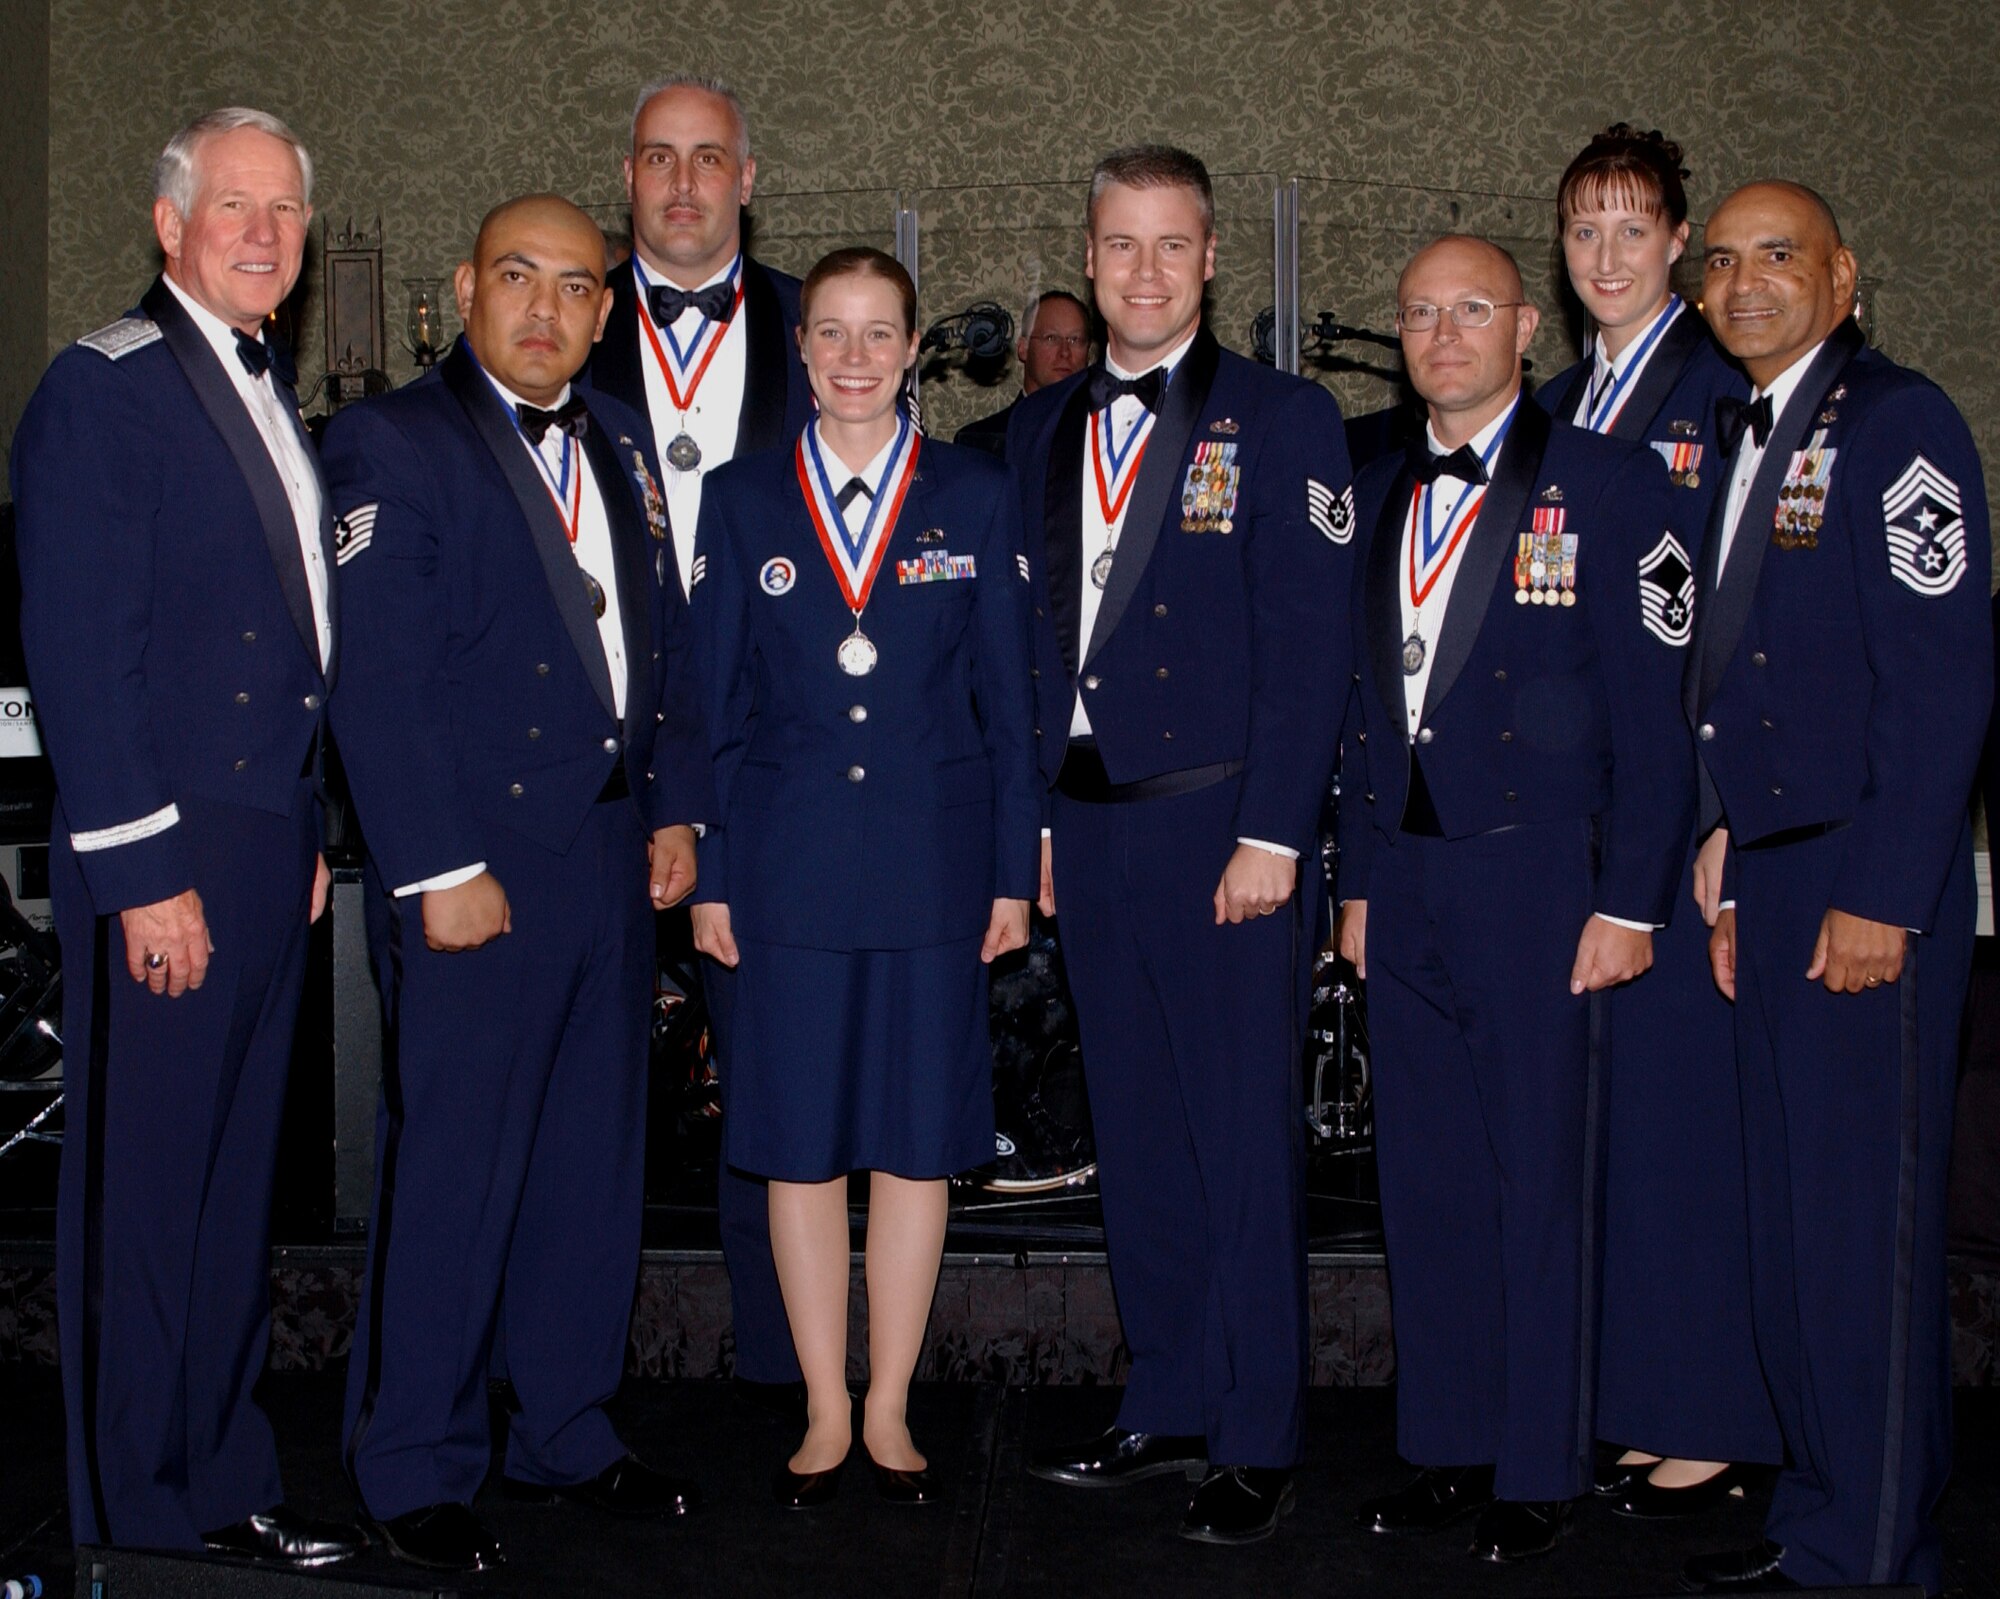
(353, 531)
(119, 339)
(1225, 425)
(1332, 514)
(1926, 532)
(1666, 592)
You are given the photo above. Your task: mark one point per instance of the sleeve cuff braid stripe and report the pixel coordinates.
(125, 832)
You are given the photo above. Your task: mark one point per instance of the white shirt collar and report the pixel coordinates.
(1625, 357)
(1483, 439)
(220, 334)
(1786, 381)
(871, 474)
(646, 276)
(511, 399)
(1170, 362)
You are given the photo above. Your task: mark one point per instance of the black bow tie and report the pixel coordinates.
(850, 489)
(570, 417)
(1145, 388)
(667, 302)
(1463, 463)
(1732, 417)
(266, 355)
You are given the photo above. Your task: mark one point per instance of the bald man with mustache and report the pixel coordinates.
(1838, 686)
(523, 739)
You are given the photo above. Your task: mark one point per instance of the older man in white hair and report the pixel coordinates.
(178, 623)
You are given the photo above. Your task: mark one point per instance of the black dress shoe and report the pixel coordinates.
(900, 1487)
(1515, 1529)
(785, 1401)
(443, 1537)
(1115, 1457)
(626, 1487)
(1752, 1570)
(805, 1490)
(1238, 1504)
(284, 1537)
(1648, 1501)
(1615, 1478)
(1437, 1497)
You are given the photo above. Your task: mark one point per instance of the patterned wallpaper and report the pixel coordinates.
(24, 195)
(1406, 119)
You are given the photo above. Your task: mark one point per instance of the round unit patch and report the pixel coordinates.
(778, 575)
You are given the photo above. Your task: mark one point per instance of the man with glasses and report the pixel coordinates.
(1055, 345)
(1518, 790)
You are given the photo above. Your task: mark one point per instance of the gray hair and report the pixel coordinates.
(707, 85)
(174, 176)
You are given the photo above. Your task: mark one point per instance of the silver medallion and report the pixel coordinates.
(683, 454)
(595, 590)
(1413, 655)
(1100, 569)
(856, 654)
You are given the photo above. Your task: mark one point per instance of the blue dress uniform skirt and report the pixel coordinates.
(852, 1060)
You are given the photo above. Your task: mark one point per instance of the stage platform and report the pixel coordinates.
(999, 1531)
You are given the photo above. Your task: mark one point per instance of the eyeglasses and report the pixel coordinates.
(1421, 318)
(1074, 342)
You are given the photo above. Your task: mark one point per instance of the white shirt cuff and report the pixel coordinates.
(1274, 849)
(1048, 832)
(1727, 905)
(464, 874)
(1619, 921)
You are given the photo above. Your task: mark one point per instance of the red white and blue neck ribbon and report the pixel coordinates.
(1432, 547)
(856, 558)
(565, 486)
(686, 367)
(1115, 469)
(1606, 402)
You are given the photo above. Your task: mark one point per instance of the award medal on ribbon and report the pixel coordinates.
(1683, 462)
(1432, 548)
(684, 369)
(856, 559)
(1601, 414)
(1208, 496)
(656, 507)
(1802, 499)
(1545, 561)
(566, 489)
(1114, 470)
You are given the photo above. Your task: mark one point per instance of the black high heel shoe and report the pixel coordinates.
(1648, 1501)
(898, 1487)
(806, 1490)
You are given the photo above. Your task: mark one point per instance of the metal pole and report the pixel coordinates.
(907, 254)
(1285, 273)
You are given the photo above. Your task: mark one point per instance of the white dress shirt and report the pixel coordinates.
(278, 426)
(1614, 377)
(1449, 498)
(1750, 454)
(1126, 413)
(712, 419)
(594, 554)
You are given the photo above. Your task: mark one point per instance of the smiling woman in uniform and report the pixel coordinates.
(867, 638)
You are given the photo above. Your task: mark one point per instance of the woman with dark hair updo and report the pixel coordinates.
(865, 630)
(1678, 1376)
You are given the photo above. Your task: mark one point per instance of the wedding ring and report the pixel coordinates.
(155, 960)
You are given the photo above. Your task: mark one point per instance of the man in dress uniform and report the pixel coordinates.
(1055, 344)
(1188, 527)
(175, 550)
(1838, 686)
(1512, 830)
(702, 341)
(522, 723)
